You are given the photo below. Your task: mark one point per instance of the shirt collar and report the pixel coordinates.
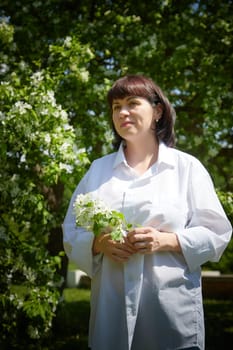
(165, 156)
(120, 156)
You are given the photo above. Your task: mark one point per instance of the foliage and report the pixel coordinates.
(226, 262)
(57, 60)
(28, 293)
(38, 155)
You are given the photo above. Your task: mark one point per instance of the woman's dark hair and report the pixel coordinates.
(141, 86)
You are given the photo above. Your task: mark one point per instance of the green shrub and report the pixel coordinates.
(225, 265)
(29, 293)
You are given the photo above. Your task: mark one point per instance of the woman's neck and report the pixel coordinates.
(141, 157)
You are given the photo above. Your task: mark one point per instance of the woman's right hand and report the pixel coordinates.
(115, 250)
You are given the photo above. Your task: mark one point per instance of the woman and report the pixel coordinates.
(146, 291)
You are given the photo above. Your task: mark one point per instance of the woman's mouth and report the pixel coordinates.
(125, 124)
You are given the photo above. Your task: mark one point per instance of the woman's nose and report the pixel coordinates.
(123, 111)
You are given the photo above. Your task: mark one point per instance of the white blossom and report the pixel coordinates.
(23, 158)
(47, 138)
(21, 107)
(63, 114)
(67, 127)
(4, 68)
(67, 167)
(64, 147)
(84, 75)
(68, 42)
(2, 115)
(49, 98)
(37, 77)
(94, 215)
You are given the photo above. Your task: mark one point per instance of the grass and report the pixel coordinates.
(70, 328)
(71, 325)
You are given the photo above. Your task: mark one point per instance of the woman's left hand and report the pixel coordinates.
(147, 240)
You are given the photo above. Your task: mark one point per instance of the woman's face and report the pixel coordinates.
(134, 118)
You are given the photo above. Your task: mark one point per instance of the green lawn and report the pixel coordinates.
(71, 324)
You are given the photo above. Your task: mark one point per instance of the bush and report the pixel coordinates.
(29, 292)
(225, 265)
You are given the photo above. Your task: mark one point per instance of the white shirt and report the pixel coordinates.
(153, 301)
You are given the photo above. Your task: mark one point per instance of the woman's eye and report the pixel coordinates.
(115, 108)
(133, 103)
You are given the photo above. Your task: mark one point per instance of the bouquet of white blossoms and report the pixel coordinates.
(94, 215)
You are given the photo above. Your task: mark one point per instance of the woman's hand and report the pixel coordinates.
(147, 240)
(117, 251)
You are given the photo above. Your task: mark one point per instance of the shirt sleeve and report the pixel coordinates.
(78, 241)
(208, 230)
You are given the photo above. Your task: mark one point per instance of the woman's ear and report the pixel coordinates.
(158, 111)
